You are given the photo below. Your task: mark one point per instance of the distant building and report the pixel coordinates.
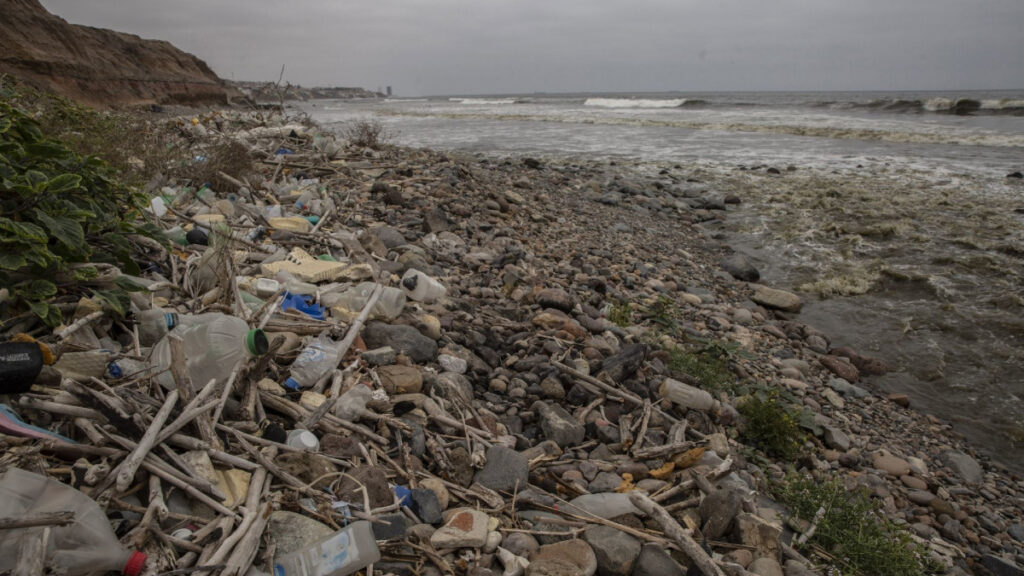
(389, 91)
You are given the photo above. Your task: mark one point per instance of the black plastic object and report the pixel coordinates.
(197, 236)
(20, 363)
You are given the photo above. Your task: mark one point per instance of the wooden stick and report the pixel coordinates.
(77, 325)
(192, 490)
(42, 519)
(672, 529)
(662, 451)
(252, 501)
(32, 555)
(357, 324)
(243, 554)
(127, 468)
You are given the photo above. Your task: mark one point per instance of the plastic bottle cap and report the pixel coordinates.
(256, 342)
(171, 319)
(134, 565)
(292, 384)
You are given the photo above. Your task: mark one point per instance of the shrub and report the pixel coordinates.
(852, 529)
(707, 365)
(621, 314)
(771, 426)
(367, 134)
(57, 208)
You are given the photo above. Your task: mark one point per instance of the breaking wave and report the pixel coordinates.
(959, 106)
(481, 101)
(641, 102)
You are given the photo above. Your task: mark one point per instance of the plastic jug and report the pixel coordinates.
(421, 287)
(86, 545)
(341, 553)
(318, 358)
(213, 344)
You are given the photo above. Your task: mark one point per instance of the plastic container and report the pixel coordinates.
(213, 344)
(348, 304)
(82, 366)
(86, 545)
(339, 554)
(266, 287)
(318, 358)
(20, 364)
(303, 440)
(686, 396)
(421, 287)
(158, 207)
(605, 505)
(351, 405)
(177, 235)
(289, 282)
(155, 324)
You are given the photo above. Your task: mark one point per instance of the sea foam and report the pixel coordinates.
(634, 103)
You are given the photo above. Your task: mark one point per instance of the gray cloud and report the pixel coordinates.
(502, 46)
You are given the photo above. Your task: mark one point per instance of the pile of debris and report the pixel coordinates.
(371, 360)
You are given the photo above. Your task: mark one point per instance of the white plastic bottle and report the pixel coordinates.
(421, 287)
(303, 440)
(339, 554)
(318, 358)
(214, 343)
(85, 546)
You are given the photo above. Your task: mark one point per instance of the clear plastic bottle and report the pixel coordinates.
(303, 440)
(421, 287)
(352, 404)
(339, 554)
(318, 358)
(351, 302)
(154, 324)
(290, 283)
(605, 505)
(687, 396)
(86, 545)
(214, 343)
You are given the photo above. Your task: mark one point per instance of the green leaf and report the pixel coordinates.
(36, 289)
(36, 178)
(66, 231)
(5, 125)
(128, 285)
(23, 230)
(85, 273)
(12, 260)
(116, 299)
(64, 183)
(41, 309)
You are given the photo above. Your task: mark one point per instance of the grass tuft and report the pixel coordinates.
(771, 425)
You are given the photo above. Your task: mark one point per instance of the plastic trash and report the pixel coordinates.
(84, 365)
(197, 236)
(421, 287)
(303, 440)
(213, 344)
(177, 235)
(303, 303)
(351, 405)
(351, 302)
(318, 358)
(290, 283)
(344, 552)
(686, 396)
(11, 424)
(158, 207)
(86, 545)
(266, 287)
(20, 364)
(155, 324)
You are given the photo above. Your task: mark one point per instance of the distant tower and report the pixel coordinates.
(389, 91)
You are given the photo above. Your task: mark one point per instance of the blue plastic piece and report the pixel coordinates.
(303, 303)
(282, 151)
(404, 496)
(291, 384)
(114, 371)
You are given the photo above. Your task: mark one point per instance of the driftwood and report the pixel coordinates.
(32, 556)
(33, 520)
(681, 537)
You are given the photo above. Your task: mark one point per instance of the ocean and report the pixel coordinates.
(891, 213)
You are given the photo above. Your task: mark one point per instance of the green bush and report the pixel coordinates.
(853, 531)
(621, 314)
(771, 425)
(58, 207)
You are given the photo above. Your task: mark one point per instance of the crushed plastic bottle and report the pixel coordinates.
(86, 545)
(421, 287)
(339, 554)
(348, 304)
(351, 405)
(213, 344)
(155, 324)
(318, 358)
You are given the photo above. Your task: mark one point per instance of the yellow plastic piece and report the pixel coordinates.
(290, 223)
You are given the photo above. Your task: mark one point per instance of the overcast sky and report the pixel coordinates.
(423, 47)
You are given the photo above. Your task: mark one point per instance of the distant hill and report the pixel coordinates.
(100, 67)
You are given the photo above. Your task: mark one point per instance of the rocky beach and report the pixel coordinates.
(603, 387)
